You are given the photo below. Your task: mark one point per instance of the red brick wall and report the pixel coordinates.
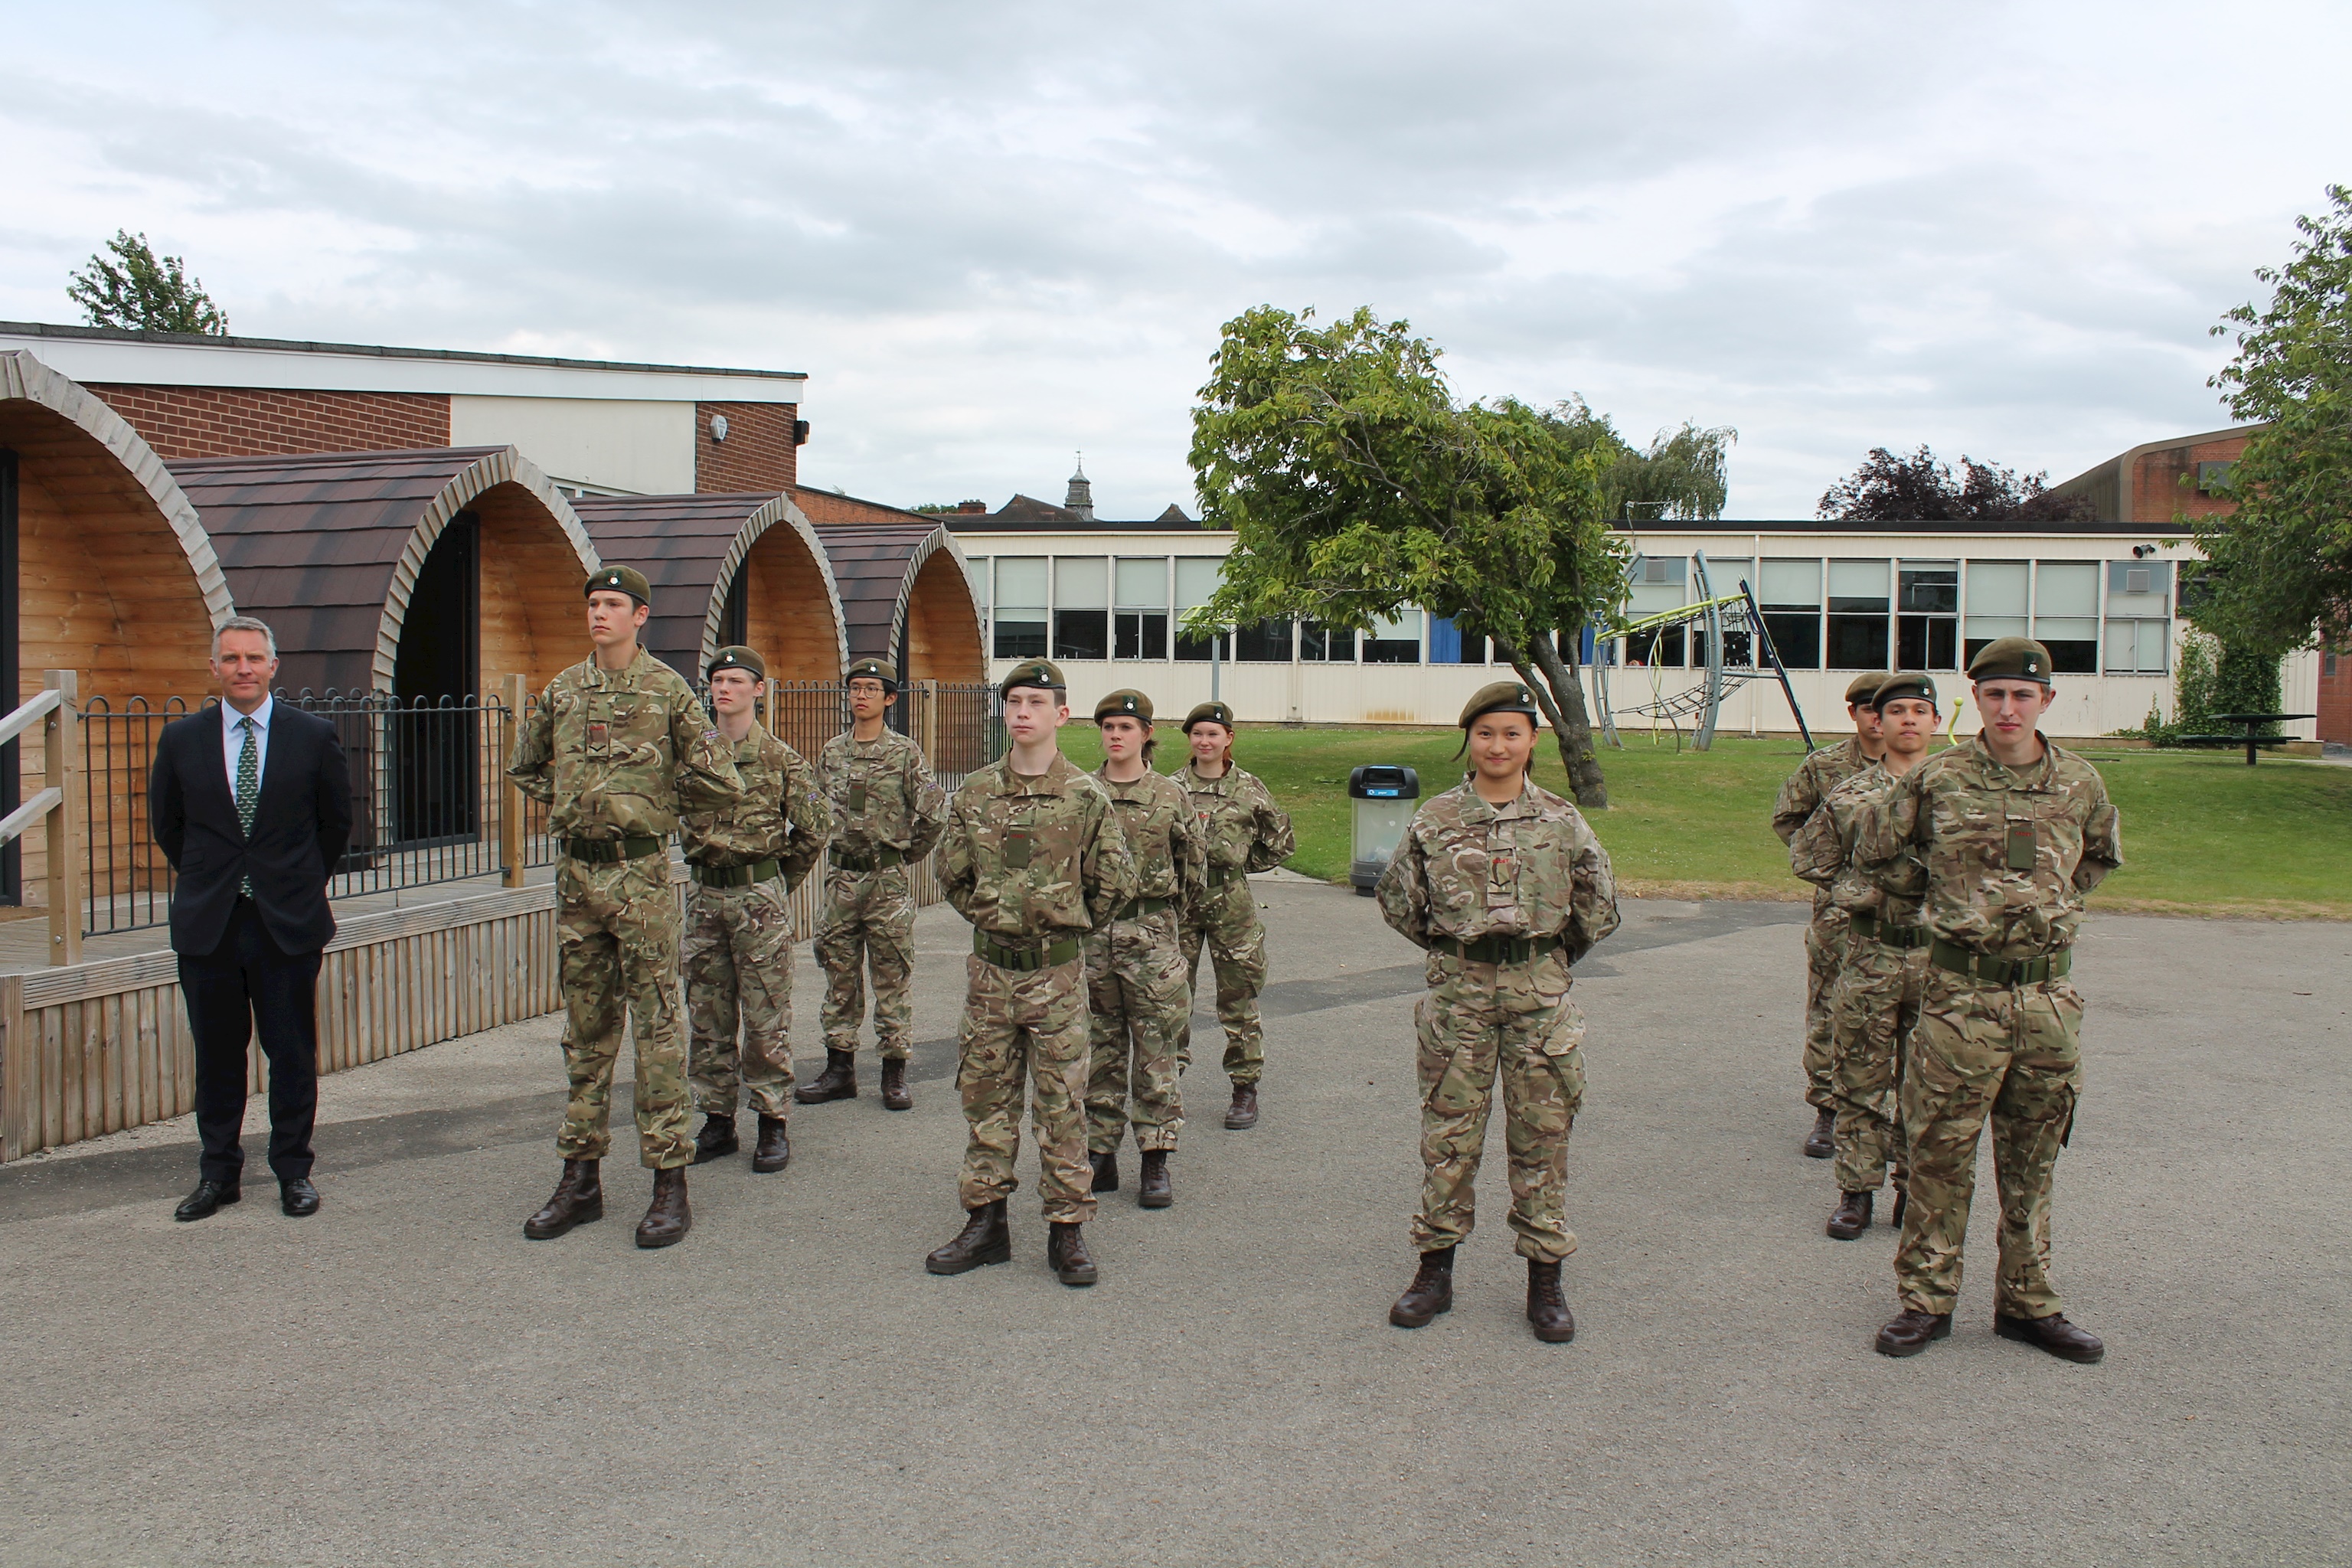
(757, 455)
(2156, 489)
(823, 507)
(244, 422)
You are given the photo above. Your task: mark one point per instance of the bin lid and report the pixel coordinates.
(1383, 781)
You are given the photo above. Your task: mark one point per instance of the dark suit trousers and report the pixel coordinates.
(249, 980)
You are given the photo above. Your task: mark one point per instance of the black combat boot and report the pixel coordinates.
(1151, 1188)
(2052, 1334)
(668, 1219)
(774, 1149)
(1910, 1331)
(1546, 1308)
(1851, 1216)
(837, 1081)
(715, 1140)
(579, 1198)
(1431, 1292)
(894, 1085)
(1243, 1113)
(1821, 1142)
(1106, 1164)
(1066, 1251)
(985, 1239)
(1902, 1202)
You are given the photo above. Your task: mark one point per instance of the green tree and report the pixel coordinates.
(1355, 485)
(1682, 476)
(142, 290)
(2278, 569)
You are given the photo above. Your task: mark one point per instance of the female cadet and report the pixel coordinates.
(1243, 831)
(1506, 887)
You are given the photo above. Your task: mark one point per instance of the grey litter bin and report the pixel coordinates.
(1384, 798)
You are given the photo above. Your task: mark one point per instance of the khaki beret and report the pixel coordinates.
(625, 579)
(1500, 697)
(1919, 686)
(1209, 713)
(1132, 703)
(1862, 689)
(2011, 658)
(739, 658)
(871, 668)
(1039, 672)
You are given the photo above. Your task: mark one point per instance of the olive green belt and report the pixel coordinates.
(1044, 956)
(1497, 949)
(880, 859)
(1136, 908)
(738, 876)
(612, 851)
(1218, 876)
(2002, 972)
(1868, 925)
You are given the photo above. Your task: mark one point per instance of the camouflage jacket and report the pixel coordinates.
(620, 755)
(1163, 836)
(1819, 773)
(1467, 869)
(1025, 860)
(1822, 853)
(1240, 826)
(883, 794)
(1960, 812)
(780, 816)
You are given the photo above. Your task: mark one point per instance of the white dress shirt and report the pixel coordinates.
(233, 741)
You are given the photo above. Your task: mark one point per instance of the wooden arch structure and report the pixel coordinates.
(725, 568)
(907, 594)
(415, 574)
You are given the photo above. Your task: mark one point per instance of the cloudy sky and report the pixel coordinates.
(996, 234)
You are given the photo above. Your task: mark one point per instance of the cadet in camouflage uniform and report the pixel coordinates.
(617, 746)
(1243, 831)
(1139, 1000)
(1876, 1001)
(1819, 773)
(887, 814)
(745, 860)
(1506, 894)
(2013, 832)
(1034, 858)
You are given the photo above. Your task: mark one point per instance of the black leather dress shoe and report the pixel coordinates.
(297, 1196)
(2054, 1335)
(208, 1199)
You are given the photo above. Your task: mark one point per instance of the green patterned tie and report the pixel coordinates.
(248, 790)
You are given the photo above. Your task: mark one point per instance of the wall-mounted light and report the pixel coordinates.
(800, 432)
(719, 426)
(2142, 552)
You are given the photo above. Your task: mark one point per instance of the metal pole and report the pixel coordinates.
(63, 738)
(1714, 654)
(1764, 640)
(1216, 666)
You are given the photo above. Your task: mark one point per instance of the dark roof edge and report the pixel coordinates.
(206, 340)
(1916, 525)
(988, 522)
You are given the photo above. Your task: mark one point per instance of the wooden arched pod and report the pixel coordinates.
(907, 597)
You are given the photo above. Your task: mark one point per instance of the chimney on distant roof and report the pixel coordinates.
(1081, 498)
(978, 506)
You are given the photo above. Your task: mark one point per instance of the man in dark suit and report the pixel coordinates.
(252, 804)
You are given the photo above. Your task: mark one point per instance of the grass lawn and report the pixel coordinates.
(2203, 833)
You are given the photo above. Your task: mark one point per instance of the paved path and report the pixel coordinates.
(404, 1379)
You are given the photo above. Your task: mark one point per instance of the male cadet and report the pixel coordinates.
(1034, 858)
(887, 814)
(1876, 1001)
(746, 858)
(2013, 832)
(619, 746)
(1506, 887)
(1819, 773)
(1139, 996)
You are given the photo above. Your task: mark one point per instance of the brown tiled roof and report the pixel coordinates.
(874, 568)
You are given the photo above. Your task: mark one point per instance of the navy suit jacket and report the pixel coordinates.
(301, 824)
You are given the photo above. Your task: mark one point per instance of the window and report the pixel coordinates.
(1081, 607)
(1656, 586)
(1927, 619)
(1320, 644)
(1448, 645)
(2139, 617)
(1196, 581)
(1999, 594)
(1139, 619)
(2066, 615)
(1396, 640)
(1789, 595)
(1263, 642)
(1020, 620)
(1858, 615)
(1723, 579)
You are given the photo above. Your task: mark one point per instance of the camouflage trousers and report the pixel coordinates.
(1873, 1011)
(1136, 1004)
(2013, 1056)
(1824, 950)
(1025, 1024)
(616, 947)
(1235, 939)
(869, 924)
(738, 982)
(1472, 1024)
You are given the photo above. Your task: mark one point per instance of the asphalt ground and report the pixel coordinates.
(404, 1379)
